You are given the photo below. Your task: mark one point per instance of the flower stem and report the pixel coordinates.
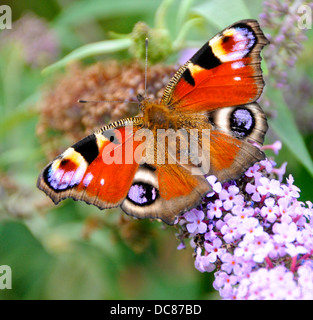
(293, 264)
(269, 262)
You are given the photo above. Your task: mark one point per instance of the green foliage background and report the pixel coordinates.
(50, 256)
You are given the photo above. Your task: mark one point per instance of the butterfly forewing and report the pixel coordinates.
(95, 169)
(224, 72)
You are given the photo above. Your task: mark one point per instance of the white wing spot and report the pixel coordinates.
(87, 179)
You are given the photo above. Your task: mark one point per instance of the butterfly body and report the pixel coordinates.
(154, 165)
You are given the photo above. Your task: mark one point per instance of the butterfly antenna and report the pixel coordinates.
(146, 65)
(106, 101)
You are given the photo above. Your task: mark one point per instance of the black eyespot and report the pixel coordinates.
(211, 119)
(148, 166)
(64, 162)
(110, 135)
(142, 194)
(225, 39)
(249, 33)
(59, 181)
(242, 122)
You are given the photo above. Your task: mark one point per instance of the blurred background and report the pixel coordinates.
(58, 51)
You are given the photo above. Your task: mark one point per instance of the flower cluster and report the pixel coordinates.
(39, 43)
(281, 19)
(112, 83)
(282, 22)
(256, 235)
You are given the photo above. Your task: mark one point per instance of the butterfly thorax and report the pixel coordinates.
(171, 133)
(158, 116)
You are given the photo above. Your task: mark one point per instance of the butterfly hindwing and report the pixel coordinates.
(225, 71)
(231, 156)
(235, 132)
(244, 122)
(163, 192)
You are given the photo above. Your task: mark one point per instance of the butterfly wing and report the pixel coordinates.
(217, 88)
(225, 71)
(94, 169)
(230, 157)
(164, 192)
(221, 82)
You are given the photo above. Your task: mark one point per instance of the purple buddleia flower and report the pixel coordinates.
(215, 209)
(195, 225)
(214, 249)
(255, 235)
(281, 19)
(230, 197)
(276, 146)
(38, 43)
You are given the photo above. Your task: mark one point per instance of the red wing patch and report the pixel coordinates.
(224, 72)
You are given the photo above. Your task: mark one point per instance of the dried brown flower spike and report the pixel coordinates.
(65, 117)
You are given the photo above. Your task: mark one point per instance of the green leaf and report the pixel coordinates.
(159, 19)
(82, 11)
(222, 13)
(89, 50)
(27, 258)
(11, 66)
(19, 115)
(180, 43)
(183, 12)
(285, 127)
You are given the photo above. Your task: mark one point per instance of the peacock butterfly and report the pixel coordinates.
(150, 165)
